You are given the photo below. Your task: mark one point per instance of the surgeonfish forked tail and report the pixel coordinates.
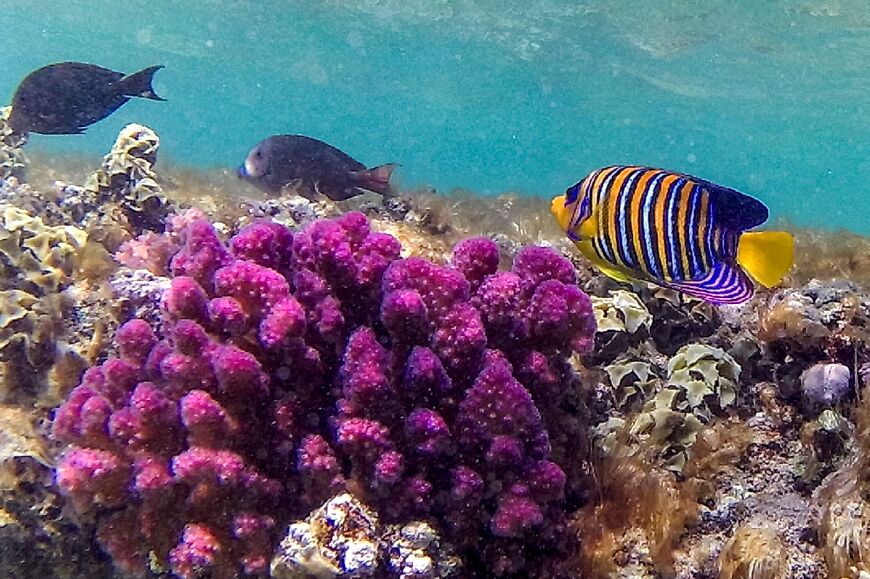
(138, 84)
(376, 179)
(674, 230)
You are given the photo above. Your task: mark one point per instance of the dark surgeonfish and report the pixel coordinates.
(308, 167)
(67, 97)
(674, 230)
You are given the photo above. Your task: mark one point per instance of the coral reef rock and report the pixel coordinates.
(415, 551)
(340, 539)
(343, 538)
(12, 160)
(127, 175)
(39, 538)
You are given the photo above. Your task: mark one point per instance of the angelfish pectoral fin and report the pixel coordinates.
(588, 227)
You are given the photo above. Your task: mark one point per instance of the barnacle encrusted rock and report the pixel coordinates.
(415, 551)
(12, 160)
(343, 538)
(339, 539)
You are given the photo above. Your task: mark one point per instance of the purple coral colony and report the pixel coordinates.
(287, 367)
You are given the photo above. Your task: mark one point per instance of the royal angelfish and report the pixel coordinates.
(67, 97)
(675, 230)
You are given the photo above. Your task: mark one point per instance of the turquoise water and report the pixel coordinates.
(770, 97)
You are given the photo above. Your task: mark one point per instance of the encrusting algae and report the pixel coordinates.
(844, 527)
(640, 511)
(753, 553)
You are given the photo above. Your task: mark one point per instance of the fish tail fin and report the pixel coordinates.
(766, 255)
(138, 84)
(376, 179)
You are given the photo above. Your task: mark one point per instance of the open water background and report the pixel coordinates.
(769, 97)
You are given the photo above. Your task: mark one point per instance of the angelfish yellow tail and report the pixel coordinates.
(766, 255)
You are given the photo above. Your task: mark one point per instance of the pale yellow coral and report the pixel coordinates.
(630, 379)
(704, 373)
(18, 439)
(414, 241)
(37, 263)
(127, 170)
(35, 252)
(698, 376)
(621, 311)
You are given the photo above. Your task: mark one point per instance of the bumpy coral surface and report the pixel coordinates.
(292, 367)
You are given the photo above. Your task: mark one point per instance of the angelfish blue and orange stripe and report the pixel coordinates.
(673, 229)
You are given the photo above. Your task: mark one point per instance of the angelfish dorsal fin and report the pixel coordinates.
(733, 209)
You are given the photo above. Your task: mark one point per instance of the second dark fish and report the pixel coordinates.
(67, 97)
(308, 167)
